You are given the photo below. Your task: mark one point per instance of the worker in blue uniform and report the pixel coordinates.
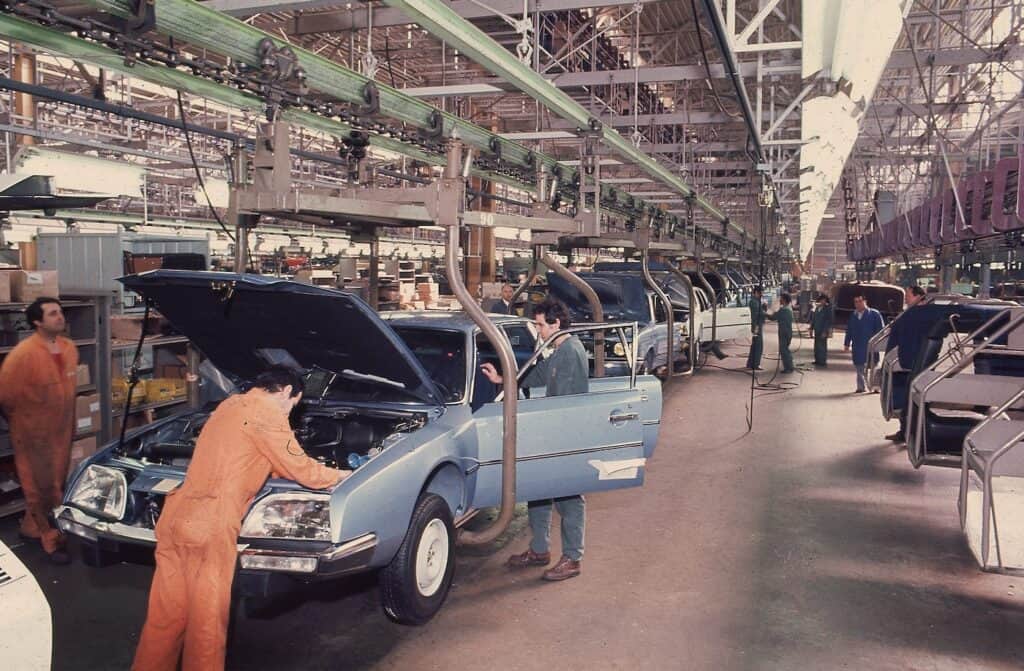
(908, 333)
(821, 329)
(757, 317)
(862, 326)
(785, 319)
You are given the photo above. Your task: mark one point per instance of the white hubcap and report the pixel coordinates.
(432, 558)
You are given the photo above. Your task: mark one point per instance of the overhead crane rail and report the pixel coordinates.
(188, 21)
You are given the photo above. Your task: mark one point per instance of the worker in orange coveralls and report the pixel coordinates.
(245, 440)
(37, 394)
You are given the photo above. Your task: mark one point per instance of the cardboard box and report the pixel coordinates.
(165, 389)
(82, 378)
(87, 413)
(127, 327)
(28, 285)
(82, 449)
(5, 285)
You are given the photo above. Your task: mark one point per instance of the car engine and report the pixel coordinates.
(337, 437)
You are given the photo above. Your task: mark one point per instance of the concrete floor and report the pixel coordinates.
(809, 542)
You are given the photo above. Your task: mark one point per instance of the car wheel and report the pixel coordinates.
(648, 367)
(416, 582)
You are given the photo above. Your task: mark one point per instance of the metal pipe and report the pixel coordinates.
(692, 343)
(524, 287)
(450, 217)
(712, 296)
(596, 311)
(733, 69)
(721, 281)
(670, 322)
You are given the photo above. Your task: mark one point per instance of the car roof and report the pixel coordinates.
(441, 319)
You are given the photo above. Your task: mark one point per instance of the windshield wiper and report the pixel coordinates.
(350, 374)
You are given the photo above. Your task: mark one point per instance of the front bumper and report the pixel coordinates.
(325, 560)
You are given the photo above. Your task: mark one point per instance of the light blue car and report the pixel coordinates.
(402, 398)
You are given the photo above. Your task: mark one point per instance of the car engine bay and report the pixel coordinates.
(337, 437)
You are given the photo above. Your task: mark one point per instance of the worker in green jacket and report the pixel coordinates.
(784, 316)
(821, 326)
(757, 316)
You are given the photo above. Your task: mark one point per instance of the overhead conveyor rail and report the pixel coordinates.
(191, 23)
(446, 24)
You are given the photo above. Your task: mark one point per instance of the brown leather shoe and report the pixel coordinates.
(529, 558)
(563, 570)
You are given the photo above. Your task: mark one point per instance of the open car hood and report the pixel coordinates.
(241, 321)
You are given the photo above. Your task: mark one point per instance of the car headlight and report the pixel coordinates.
(618, 349)
(101, 490)
(294, 516)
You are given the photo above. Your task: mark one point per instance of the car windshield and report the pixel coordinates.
(674, 289)
(622, 297)
(442, 354)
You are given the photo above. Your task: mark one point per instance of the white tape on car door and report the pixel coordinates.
(623, 469)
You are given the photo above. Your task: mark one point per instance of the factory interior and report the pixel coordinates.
(529, 334)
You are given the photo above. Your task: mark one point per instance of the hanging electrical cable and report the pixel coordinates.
(195, 167)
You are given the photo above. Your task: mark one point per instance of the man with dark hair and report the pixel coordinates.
(908, 333)
(37, 394)
(757, 317)
(563, 372)
(862, 326)
(821, 325)
(784, 316)
(247, 437)
(502, 305)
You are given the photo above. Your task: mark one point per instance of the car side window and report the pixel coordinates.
(660, 316)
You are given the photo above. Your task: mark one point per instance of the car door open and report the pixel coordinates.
(572, 444)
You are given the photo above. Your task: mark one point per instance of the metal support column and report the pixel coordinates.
(670, 324)
(985, 281)
(596, 310)
(451, 200)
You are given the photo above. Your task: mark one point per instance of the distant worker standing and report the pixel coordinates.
(821, 327)
(784, 317)
(248, 436)
(907, 333)
(502, 305)
(757, 317)
(37, 394)
(862, 326)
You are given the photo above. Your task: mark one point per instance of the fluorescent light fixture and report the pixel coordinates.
(626, 180)
(540, 135)
(651, 194)
(450, 90)
(604, 161)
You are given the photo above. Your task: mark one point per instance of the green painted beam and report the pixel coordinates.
(59, 43)
(198, 25)
(444, 23)
(195, 24)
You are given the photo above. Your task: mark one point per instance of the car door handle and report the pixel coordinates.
(623, 417)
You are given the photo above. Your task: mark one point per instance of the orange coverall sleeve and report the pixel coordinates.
(15, 372)
(276, 441)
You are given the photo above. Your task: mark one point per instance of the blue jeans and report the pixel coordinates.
(572, 510)
(862, 376)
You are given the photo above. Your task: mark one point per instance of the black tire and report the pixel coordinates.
(648, 367)
(403, 599)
